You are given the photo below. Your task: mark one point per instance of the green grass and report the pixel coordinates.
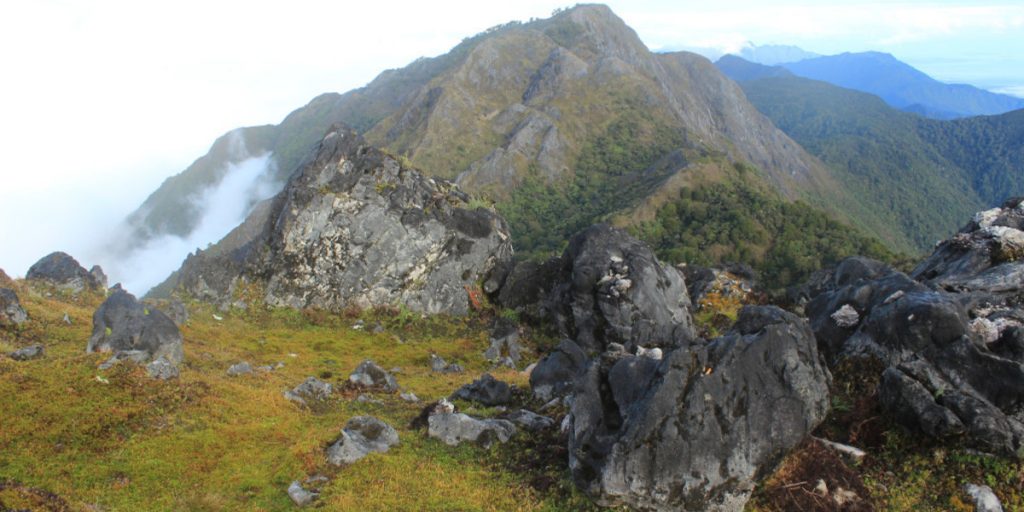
(211, 442)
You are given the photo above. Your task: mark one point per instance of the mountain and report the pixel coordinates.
(899, 162)
(562, 122)
(742, 70)
(903, 86)
(775, 54)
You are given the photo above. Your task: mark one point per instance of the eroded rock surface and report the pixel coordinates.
(354, 227)
(11, 312)
(123, 324)
(696, 429)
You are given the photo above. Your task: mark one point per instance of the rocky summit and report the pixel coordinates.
(64, 271)
(355, 227)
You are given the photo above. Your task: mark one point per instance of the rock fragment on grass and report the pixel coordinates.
(361, 436)
(455, 428)
(28, 353)
(371, 376)
(301, 497)
(242, 368)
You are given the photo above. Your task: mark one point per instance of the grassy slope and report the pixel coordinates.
(212, 442)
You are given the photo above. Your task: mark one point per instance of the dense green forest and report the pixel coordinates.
(739, 221)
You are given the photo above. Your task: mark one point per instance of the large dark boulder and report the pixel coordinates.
(951, 335)
(696, 430)
(123, 324)
(611, 289)
(355, 227)
(62, 270)
(486, 390)
(555, 374)
(11, 312)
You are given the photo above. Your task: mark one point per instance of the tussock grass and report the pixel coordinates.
(116, 440)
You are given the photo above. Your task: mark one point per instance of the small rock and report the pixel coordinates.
(456, 428)
(361, 436)
(162, 369)
(486, 390)
(653, 353)
(821, 489)
(409, 397)
(11, 312)
(366, 399)
(67, 319)
(529, 420)
(378, 328)
(505, 348)
(846, 316)
(310, 389)
(842, 497)
(300, 496)
(243, 368)
(439, 365)
(30, 352)
(984, 499)
(369, 375)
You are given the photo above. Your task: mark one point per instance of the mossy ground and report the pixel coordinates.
(117, 440)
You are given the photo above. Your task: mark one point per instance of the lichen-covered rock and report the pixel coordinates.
(237, 369)
(695, 430)
(486, 390)
(311, 389)
(122, 323)
(11, 312)
(951, 336)
(63, 271)
(456, 428)
(369, 375)
(361, 436)
(354, 227)
(161, 369)
(611, 289)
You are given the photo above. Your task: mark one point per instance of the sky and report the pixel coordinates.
(102, 100)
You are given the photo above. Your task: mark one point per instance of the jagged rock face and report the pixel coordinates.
(11, 312)
(695, 430)
(953, 342)
(64, 271)
(354, 227)
(611, 289)
(123, 324)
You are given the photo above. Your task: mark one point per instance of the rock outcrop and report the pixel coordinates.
(11, 312)
(63, 271)
(695, 430)
(951, 333)
(122, 324)
(355, 227)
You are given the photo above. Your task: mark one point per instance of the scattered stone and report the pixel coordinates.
(984, 499)
(28, 353)
(846, 316)
(439, 365)
(369, 375)
(456, 428)
(122, 323)
(11, 312)
(366, 399)
(409, 396)
(243, 368)
(162, 369)
(310, 389)
(529, 420)
(505, 348)
(63, 271)
(555, 373)
(698, 405)
(67, 319)
(486, 390)
(361, 436)
(301, 497)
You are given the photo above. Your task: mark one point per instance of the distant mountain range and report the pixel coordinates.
(899, 84)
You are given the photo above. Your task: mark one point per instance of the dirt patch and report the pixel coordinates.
(814, 479)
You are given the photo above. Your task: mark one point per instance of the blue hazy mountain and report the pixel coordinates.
(775, 54)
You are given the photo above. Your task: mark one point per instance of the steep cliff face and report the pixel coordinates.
(354, 227)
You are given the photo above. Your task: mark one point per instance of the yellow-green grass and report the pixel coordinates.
(117, 440)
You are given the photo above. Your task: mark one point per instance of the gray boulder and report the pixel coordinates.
(611, 289)
(370, 376)
(161, 369)
(300, 496)
(28, 353)
(951, 334)
(242, 368)
(361, 436)
(456, 428)
(984, 499)
(530, 420)
(486, 390)
(504, 347)
(555, 373)
(695, 430)
(122, 323)
(354, 227)
(63, 271)
(311, 389)
(11, 312)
